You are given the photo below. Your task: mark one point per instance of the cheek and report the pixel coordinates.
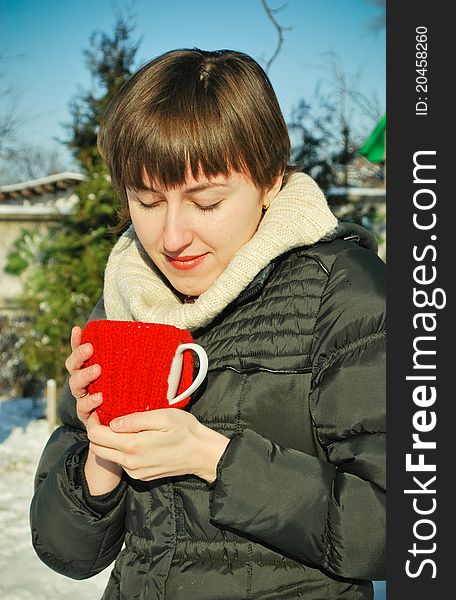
(236, 231)
(145, 228)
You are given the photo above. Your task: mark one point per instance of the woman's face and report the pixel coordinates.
(192, 232)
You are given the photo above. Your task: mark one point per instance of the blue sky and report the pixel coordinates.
(42, 42)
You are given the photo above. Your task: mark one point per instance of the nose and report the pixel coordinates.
(177, 232)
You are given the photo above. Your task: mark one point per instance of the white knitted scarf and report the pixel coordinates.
(135, 291)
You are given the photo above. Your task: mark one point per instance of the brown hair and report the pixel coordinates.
(207, 111)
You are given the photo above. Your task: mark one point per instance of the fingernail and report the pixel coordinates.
(117, 424)
(97, 397)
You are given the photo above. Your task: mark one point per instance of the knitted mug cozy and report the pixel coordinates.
(135, 360)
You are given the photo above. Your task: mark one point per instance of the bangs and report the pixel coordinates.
(175, 138)
(171, 148)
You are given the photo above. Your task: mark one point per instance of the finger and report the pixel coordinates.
(75, 339)
(78, 357)
(110, 454)
(93, 421)
(86, 405)
(158, 420)
(80, 380)
(103, 436)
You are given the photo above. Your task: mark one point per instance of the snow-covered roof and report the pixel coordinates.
(40, 212)
(354, 193)
(37, 187)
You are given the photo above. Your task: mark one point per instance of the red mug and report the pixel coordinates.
(144, 366)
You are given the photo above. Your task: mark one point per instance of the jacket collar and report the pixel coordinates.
(353, 233)
(350, 232)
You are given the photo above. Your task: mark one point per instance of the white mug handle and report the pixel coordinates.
(176, 371)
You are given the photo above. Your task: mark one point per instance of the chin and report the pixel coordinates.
(189, 289)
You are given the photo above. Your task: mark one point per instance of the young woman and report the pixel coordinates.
(272, 484)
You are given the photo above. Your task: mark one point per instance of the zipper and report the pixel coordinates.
(262, 369)
(354, 237)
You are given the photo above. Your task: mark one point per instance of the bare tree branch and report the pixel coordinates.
(280, 29)
(8, 125)
(29, 161)
(8, 114)
(379, 22)
(346, 87)
(10, 119)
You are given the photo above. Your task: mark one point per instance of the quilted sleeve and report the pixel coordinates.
(330, 513)
(73, 533)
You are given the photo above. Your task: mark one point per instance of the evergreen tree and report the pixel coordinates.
(109, 59)
(63, 270)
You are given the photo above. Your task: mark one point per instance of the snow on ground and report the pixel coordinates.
(23, 575)
(23, 435)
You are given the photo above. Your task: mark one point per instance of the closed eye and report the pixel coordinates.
(209, 207)
(201, 207)
(148, 206)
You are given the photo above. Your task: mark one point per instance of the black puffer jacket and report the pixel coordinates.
(296, 379)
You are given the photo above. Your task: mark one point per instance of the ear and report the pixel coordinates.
(272, 192)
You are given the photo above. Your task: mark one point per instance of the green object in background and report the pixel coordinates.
(374, 147)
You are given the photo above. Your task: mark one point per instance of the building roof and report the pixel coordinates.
(38, 187)
(356, 193)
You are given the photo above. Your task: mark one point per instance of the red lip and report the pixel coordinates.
(184, 263)
(185, 258)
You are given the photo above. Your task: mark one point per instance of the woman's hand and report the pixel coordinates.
(158, 443)
(80, 378)
(102, 476)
